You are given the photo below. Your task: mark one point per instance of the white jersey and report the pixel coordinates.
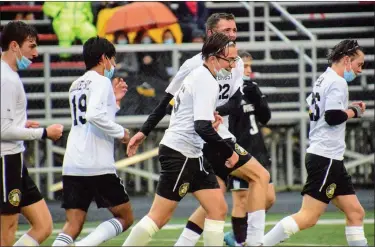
(90, 146)
(195, 100)
(13, 113)
(228, 86)
(330, 92)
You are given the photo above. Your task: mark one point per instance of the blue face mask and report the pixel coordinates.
(221, 73)
(122, 41)
(169, 41)
(23, 63)
(146, 40)
(349, 75)
(246, 78)
(109, 73)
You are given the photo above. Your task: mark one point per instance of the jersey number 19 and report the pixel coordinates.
(80, 105)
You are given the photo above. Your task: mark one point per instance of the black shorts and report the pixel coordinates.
(217, 161)
(180, 175)
(108, 190)
(326, 178)
(17, 188)
(235, 183)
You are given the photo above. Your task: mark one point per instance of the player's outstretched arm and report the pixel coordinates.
(161, 109)
(153, 119)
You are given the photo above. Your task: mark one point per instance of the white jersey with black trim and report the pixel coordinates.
(227, 86)
(90, 146)
(13, 113)
(330, 92)
(195, 100)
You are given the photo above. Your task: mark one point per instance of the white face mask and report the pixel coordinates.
(221, 73)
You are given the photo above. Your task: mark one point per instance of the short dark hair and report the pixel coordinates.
(117, 34)
(17, 31)
(347, 47)
(94, 48)
(243, 54)
(214, 19)
(215, 45)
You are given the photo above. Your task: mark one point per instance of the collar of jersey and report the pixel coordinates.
(209, 70)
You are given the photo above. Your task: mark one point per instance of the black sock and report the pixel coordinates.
(239, 226)
(194, 227)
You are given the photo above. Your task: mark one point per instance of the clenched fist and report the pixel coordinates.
(54, 131)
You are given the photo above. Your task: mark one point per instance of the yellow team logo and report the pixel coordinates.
(240, 150)
(330, 191)
(183, 189)
(14, 197)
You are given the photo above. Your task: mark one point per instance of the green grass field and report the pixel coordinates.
(330, 233)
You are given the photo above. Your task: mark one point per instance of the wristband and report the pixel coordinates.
(44, 136)
(357, 111)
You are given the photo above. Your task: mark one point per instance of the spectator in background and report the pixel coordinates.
(71, 20)
(149, 64)
(127, 63)
(168, 37)
(166, 57)
(197, 37)
(23, 15)
(191, 15)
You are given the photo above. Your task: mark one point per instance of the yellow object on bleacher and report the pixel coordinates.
(103, 17)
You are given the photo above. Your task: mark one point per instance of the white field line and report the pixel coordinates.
(281, 244)
(181, 226)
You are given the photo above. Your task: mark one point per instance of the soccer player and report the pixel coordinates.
(19, 192)
(327, 178)
(180, 152)
(244, 124)
(89, 170)
(247, 167)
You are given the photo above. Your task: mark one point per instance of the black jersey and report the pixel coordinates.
(244, 122)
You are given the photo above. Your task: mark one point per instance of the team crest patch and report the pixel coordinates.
(330, 191)
(240, 150)
(14, 197)
(183, 189)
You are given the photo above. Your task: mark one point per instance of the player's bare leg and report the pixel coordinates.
(306, 217)
(213, 203)
(194, 227)
(253, 172)
(162, 210)
(160, 213)
(354, 214)
(75, 218)
(240, 201)
(124, 214)
(123, 219)
(8, 229)
(271, 196)
(41, 223)
(258, 178)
